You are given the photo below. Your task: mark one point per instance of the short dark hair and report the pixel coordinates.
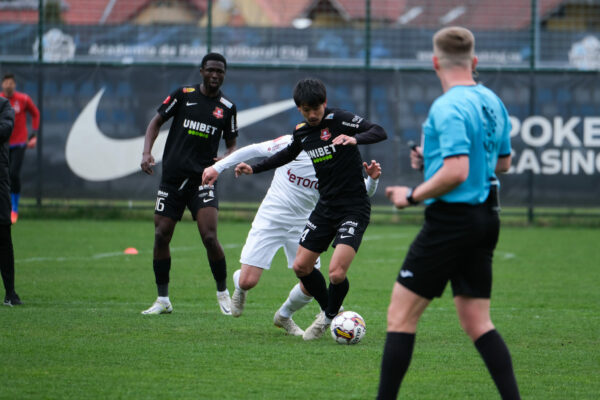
(213, 57)
(8, 75)
(310, 91)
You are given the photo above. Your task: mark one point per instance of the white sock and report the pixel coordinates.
(295, 301)
(236, 278)
(163, 299)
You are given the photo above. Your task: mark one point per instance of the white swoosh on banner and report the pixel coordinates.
(93, 156)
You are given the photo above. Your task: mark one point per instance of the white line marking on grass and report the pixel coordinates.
(505, 254)
(113, 254)
(380, 237)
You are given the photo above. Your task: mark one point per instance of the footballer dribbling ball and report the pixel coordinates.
(348, 327)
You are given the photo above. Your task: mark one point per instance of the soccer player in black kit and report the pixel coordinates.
(202, 115)
(342, 214)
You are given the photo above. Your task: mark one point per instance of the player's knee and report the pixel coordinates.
(210, 241)
(336, 275)
(162, 238)
(301, 270)
(475, 327)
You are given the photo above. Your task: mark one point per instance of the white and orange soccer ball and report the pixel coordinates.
(348, 327)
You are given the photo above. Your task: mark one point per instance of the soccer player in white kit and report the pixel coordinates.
(278, 223)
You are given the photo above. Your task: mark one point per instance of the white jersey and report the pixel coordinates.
(293, 193)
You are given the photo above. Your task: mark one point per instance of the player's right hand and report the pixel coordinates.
(209, 176)
(147, 163)
(243, 169)
(416, 157)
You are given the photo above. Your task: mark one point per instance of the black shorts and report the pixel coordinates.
(456, 244)
(172, 200)
(342, 224)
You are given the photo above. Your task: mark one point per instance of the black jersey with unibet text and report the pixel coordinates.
(199, 123)
(338, 168)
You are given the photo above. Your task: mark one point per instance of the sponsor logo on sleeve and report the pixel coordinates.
(357, 119)
(189, 89)
(300, 125)
(227, 103)
(329, 116)
(167, 100)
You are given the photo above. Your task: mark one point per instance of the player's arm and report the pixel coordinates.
(453, 172)
(210, 174)
(149, 138)
(7, 121)
(373, 171)
(361, 132)
(278, 159)
(503, 164)
(35, 122)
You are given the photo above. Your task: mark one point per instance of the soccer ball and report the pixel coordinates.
(348, 327)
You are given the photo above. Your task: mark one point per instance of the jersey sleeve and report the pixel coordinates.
(263, 149)
(363, 130)
(170, 105)
(232, 127)
(34, 112)
(282, 157)
(453, 139)
(371, 185)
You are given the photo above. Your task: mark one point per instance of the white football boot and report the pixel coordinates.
(317, 328)
(288, 324)
(159, 307)
(224, 302)
(238, 301)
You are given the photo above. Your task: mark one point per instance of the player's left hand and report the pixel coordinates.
(397, 195)
(344, 140)
(243, 169)
(32, 142)
(209, 176)
(373, 169)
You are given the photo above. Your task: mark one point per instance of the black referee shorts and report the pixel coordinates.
(172, 200)
(341, 224)
(456, 244)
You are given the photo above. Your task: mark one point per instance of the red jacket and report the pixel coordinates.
(22, 104)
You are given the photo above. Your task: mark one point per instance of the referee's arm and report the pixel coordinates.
(503, 164)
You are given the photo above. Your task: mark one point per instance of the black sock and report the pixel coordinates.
(315, 284)
(7, 259)
(219, 271)
(397, 354)
(497, 358)
(337, 293)
(161, 273)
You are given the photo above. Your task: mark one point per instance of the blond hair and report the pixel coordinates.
(454, 46)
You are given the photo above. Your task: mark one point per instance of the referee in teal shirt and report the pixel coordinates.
(466, 142)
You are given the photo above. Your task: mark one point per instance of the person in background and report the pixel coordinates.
(20, 139)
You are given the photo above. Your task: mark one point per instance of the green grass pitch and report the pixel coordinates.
(80, 334)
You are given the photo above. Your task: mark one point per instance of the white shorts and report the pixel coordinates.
(263, 243)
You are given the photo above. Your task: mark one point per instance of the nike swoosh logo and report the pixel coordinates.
(207, 200)
(345, 236)
(190, 104)
(405, 273)
(95, 157)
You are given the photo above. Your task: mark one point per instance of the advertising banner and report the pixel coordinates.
(94, 119)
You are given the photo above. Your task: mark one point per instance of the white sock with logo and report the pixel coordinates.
(295, 301)
(164, 300)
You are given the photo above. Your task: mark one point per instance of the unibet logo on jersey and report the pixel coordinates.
(321, 154)
(199, 128)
